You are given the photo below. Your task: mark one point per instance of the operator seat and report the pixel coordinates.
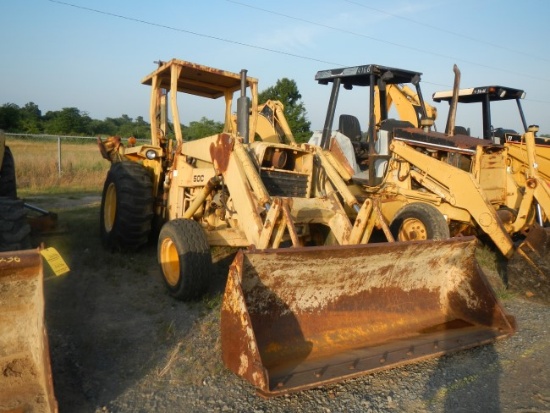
(462, 130)
(378, 160)
(349, 125)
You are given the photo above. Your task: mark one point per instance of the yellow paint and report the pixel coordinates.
(55, 261)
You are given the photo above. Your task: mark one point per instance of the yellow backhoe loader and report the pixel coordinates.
(427, 182)
(306, 301)
(25, 373)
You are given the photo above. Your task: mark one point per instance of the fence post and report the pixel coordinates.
(59, 155)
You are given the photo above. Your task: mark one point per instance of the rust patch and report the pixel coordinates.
(197, 79)
(220, 152)
(457, 142)
(109, 149)
(337, 152)
(240, 352)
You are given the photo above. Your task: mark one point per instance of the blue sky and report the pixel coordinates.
(92, 54)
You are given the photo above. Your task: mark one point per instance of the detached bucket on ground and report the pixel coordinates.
(298, 318)
(26, 383)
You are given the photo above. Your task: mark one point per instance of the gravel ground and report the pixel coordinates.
(119, 343)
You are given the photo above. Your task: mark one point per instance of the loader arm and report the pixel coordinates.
(230, 160)
(458, 188)
(266, 218)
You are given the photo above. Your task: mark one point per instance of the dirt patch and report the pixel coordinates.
(120, 343)
(64, 202)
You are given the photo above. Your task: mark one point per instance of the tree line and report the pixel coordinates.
(74, 122)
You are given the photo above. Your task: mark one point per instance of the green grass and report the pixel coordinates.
(487, 258)
(505, 294)
(212, 302)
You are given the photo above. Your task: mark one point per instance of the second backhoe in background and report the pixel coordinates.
(428, 183)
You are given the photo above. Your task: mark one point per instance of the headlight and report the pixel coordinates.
(150, 154)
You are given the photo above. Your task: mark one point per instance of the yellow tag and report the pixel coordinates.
(57, 263)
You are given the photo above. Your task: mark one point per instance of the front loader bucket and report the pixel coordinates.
(298, 318)
(26, 383)
(528, 270)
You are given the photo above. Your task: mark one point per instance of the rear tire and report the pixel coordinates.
(185, 259)
(8, 186)
(418, 222)
(14, 229)
(126, 207)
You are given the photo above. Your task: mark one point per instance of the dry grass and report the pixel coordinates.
(36, 166)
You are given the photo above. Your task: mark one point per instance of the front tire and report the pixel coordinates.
(126, 207)
(8, 186)
(185, 259)
(418, 222)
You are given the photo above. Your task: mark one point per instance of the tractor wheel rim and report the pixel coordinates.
(412, 229)
(169, 261)
(109, 209)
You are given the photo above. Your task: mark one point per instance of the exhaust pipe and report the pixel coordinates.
(243, 110)
(451, 119)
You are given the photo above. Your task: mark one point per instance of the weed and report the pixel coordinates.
(504, 294)
(212, 302)
(169, 330)
(487, 258)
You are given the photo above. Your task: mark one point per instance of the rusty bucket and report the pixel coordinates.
(26, 384)
(298, 318)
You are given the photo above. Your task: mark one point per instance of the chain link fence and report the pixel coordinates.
(58, 139)
(46, 163)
